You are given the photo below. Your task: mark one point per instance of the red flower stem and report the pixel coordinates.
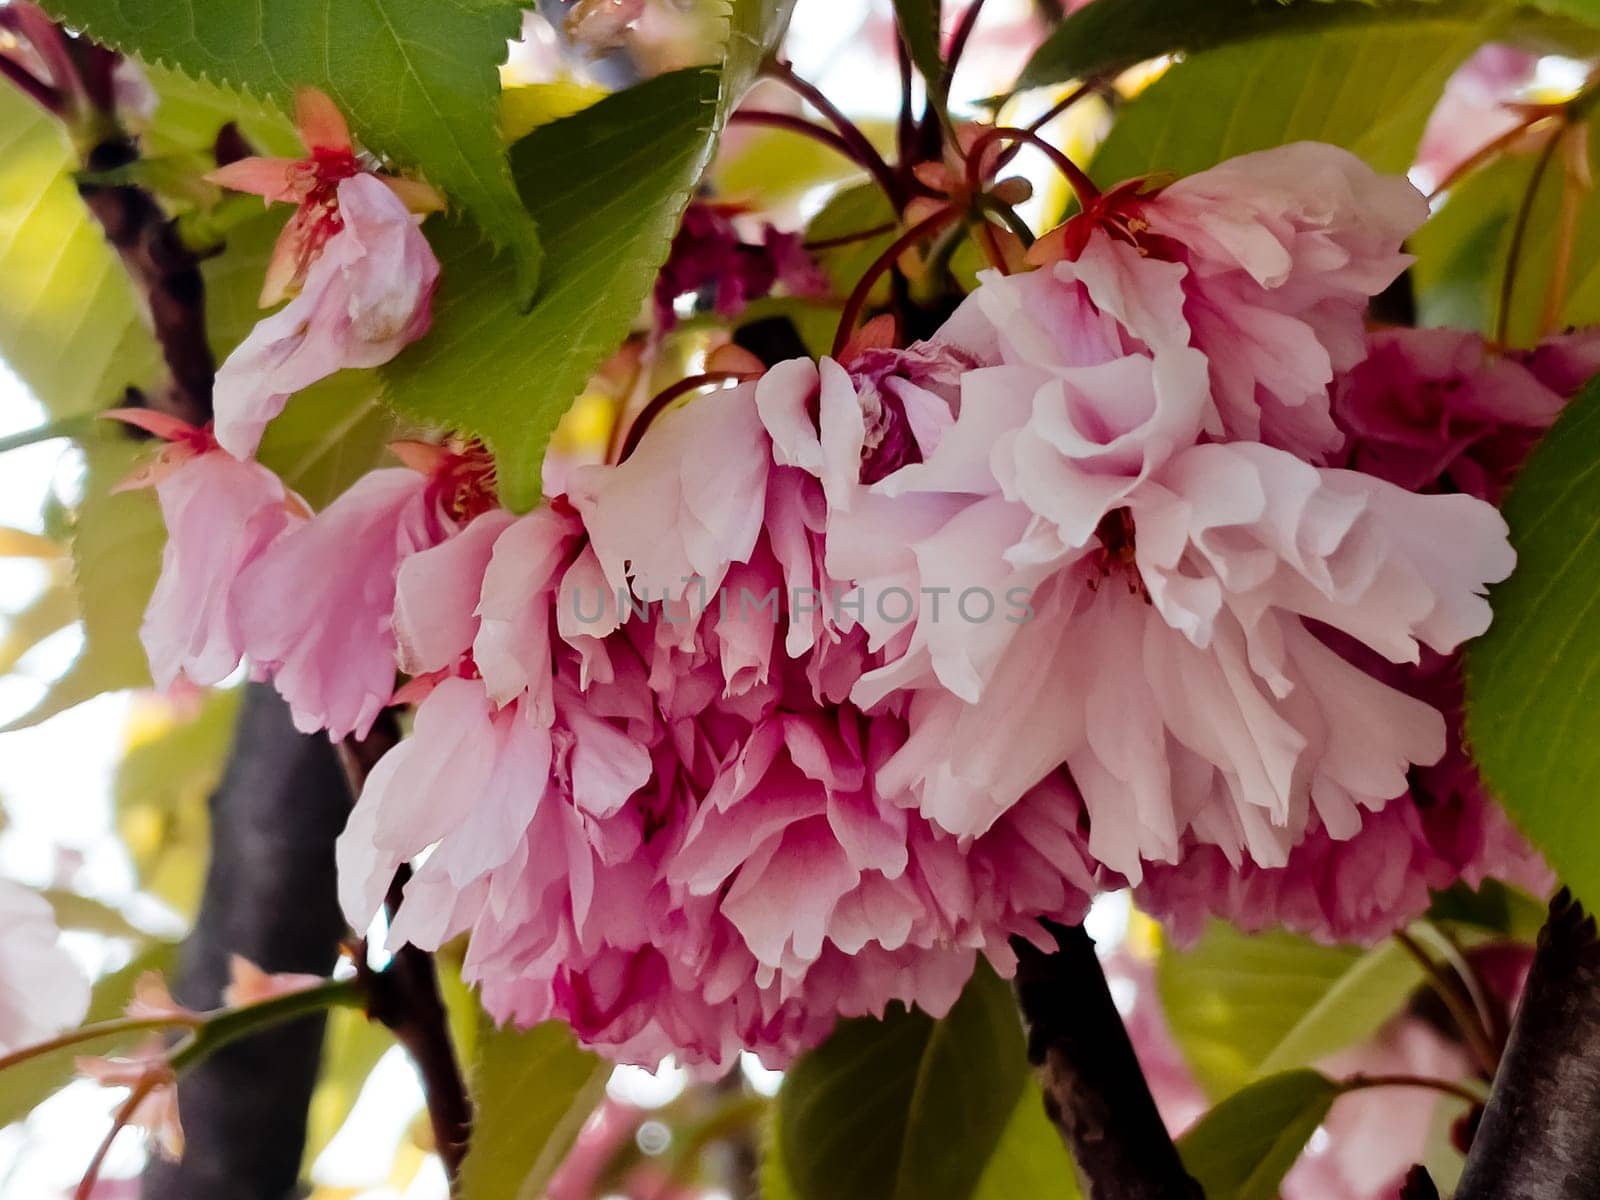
(846, 239)
(1083, 187)
(661, 400)
(799, 125)
(1082, 91)
(91, 1175)
(959, 40)
(866, 153)
(924, 228)
(1456, 1001)
(35, 89)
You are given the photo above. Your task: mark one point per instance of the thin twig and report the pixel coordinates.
(1519, 231)
(664, 399)
(927, 227)
(959, 40)
(34, 88)
(119, 1122)
(799, 125)
(866, 152)
(1460, 1007)
(1460, 1091)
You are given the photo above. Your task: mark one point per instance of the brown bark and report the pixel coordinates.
(1095, 1092)
(1539, 1138)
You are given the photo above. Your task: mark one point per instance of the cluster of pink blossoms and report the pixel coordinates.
(852, 672)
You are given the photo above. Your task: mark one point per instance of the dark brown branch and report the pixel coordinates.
(270, 896)
(404, 995)
(1419, 1185)
(1540, 1134)
(1095, 1092)
(167, 274)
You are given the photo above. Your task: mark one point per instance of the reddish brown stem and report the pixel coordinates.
(865, 152)
(799, 125)
(663, 399)
(35, 89)
(853, 307)
(1080, 183)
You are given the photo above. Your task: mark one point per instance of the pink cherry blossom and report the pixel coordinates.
(42, 989)
(367, 295)
(1475, 109)
(316, 609)
(1435, 409)
(147, 1074)
(312, 184)
(1083, 487)
(221, 516)
(1283, 248)
(709, 256)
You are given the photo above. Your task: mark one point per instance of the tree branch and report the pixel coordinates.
(404, 995)
(1094, 1090)
(1540, 1134)
(167, 274)
(270, 896)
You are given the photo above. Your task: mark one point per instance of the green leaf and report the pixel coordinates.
(532, 1090)
(73, 911)
(918, 21)
(1244, 1147)
(1366, 88)
(1241, 1006)
(1111, 35)
(907, 1108)
(50, 612)
(1533, 690)
(29, 1084)
(1106, 37)
(416, 78)
(116, 556)
(1030, 1160)
(70, 324)
(608, 187)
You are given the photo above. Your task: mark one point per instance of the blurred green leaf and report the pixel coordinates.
(416, 78)
(907, 1108)
(1030, 1160)
(73, 911)
(1111, 35)
(51, 611)
(1366, 88)
(1533, 693)
(1242, 1005)
(532, 1090)
(1244, 1147)
(1463, 251)
(116, 556)
(70, 323)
